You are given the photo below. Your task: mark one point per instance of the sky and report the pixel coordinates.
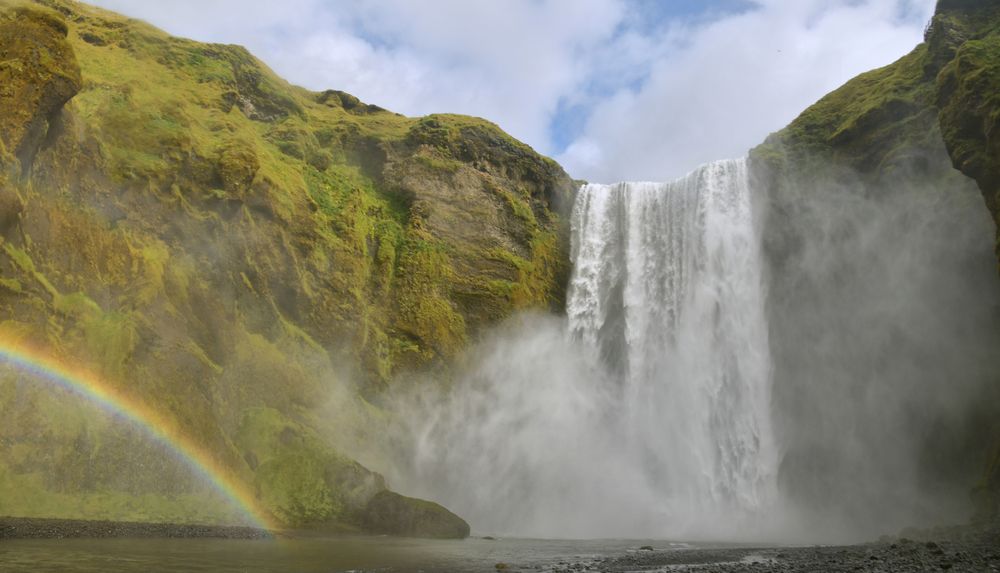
(612, 89)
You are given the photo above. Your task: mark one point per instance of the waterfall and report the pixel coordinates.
(645, 412)
(667, 287)
(663, 402)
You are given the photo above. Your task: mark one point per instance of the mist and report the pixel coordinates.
(883, 320)
(805, 360)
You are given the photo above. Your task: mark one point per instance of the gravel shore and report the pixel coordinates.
(948, 549)
(975, 549)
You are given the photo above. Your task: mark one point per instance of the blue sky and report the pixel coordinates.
(613, 89)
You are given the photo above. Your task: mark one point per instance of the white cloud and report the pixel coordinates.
(653, 100)
(736, 80)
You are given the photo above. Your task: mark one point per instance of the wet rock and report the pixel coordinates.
(393, 514)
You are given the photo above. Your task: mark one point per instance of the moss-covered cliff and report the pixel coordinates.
(246, 255)
(866, 171)
(966, 35)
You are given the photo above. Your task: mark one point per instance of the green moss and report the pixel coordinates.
(78, 462)
(153, 260)
(438, 162)
(293, 487)
(27, 266)
(425, 313)
(35, 499)
(863, 122)
(238, 165)
(77, 305)
(294, 471)
(107, 339)
(968, 85)
(12, 285)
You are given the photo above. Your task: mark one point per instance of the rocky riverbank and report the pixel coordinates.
(946, 549)
(37, 528)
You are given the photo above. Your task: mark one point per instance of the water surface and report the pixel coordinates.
(300, 555)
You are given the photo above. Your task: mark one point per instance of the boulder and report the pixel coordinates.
(389, 513)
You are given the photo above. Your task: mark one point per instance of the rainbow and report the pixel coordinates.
(157, 426)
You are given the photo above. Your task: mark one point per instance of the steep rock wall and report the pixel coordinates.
(257, 260)
(966, 35)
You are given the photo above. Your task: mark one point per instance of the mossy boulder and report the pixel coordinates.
(389, 513)
(238, 165)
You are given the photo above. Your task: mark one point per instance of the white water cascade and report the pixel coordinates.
(646, 411)
(667, 286)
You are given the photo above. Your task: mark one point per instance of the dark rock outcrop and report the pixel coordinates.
(393, 514)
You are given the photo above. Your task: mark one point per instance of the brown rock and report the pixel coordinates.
(38, 75)
(392, 514)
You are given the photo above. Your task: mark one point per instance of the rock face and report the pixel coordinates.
(38, 75)
(257, 260)
(389, 513)
(966, 35)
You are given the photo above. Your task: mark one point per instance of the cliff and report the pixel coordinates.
(869, 224)
(966, 35)
(257, 261)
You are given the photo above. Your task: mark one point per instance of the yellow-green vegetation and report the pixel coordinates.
(872, 124)
(298, 477)
(63, 457)
(238, 250)
(967, 91)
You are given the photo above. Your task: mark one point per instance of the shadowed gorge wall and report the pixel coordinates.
(967, 93)
(240, 252)
(884, 295)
